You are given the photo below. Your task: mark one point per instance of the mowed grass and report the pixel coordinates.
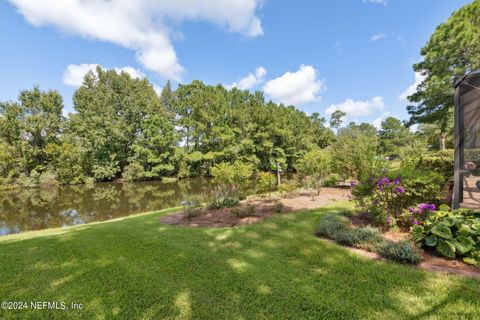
(138, 268)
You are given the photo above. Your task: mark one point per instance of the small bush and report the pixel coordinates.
(48, 179)
(193, 206)
(287, 188)
(403, 251)
(278, 207)
(223, 202)
(337, 227)
(332, 181)
(246, 211)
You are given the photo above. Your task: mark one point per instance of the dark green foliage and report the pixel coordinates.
(453, 234)
(337, 228)
(393, 136)
(121, 129)
(440, 162)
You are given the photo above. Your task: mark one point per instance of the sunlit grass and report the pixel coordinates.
(138, 268)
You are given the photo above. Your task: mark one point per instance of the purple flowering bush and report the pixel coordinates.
(387, 198)
(383, 199)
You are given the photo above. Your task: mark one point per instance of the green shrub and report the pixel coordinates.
(452, 233)
(231, 180)
(386, 198)
(278, 207)
(221, 202)
(440, 162)
(332, 181)
(48, 179)
(314, 167)
(247, 211)
(402, 251)
(193, 206)
(266, 182)
(337, 227)
(287, 188)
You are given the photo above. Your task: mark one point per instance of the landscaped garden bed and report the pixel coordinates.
(256, 208)
(356, 232)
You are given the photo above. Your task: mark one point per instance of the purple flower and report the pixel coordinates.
(427, 207)
(353, 183)
(397, 180)
(399, 189)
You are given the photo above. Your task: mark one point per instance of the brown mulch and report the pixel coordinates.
(430, 259)
(264, 207)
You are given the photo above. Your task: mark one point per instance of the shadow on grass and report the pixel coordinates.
(136, 269)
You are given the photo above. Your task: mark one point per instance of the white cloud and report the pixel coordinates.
(412, 88)
(384, 2)
(250, 81)
(377, 123)
(74, 73)
(354, 108)
(295, 87)
(145, 26)
(378, 36)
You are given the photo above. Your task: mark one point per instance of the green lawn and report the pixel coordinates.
(137, 268)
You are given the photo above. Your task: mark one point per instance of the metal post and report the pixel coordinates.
(459, 150)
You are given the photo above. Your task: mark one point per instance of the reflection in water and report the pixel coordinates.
(35, 209)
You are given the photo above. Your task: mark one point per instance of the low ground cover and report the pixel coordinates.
(138, 268)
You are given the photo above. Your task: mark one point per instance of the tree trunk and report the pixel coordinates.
(443, 137)
(279, 181)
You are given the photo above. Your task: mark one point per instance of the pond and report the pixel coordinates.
(35, 209)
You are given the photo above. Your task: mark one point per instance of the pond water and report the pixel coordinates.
(35, 209)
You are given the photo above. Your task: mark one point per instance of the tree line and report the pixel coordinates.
(121, 129)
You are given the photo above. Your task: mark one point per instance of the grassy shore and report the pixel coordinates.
(138, 268)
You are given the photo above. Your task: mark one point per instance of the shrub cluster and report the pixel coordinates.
(337, 227)
(440, 162)
(386, 198)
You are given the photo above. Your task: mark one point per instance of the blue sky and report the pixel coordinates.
(354, 55)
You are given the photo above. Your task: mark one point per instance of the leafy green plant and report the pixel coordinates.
(332, 181)
(287, 188)
(452, 233)
(221, 202)
(266, 182)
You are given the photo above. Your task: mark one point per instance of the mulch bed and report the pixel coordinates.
(264, 207)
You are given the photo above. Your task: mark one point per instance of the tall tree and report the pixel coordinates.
(453, 50)
(336, 119)
(30, 124)
(393, 136)
(121, 124)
